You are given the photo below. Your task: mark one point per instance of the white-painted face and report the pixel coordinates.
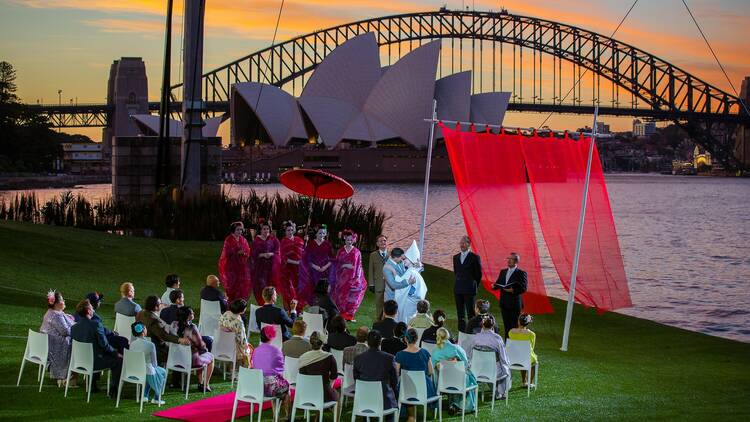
(349, 240)
(239, 230)
(321, 234)
(265, 231)
(289, 231)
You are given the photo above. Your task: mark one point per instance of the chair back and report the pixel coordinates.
(291, 369)
(348, 382)
(368, 398)
(484, 365)
(250, 385)
(277, 341)
(419, 334)
(252, 321)
(309, 391)
(413, 387)
(313, 309)
(430, 347)
(123, 325)
(465, 340)
(180, 358)
(338, 356)
(519, 354)
(314, 323)
(452, 376)
(208, 319)
(134, 367)
(82, 357)
(37, 347)
(224, 348)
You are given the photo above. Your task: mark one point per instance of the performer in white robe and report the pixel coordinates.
(407, 298)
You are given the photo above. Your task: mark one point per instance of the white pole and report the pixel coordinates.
(427, 178)
(579, 236)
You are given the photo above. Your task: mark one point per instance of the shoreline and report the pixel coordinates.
(50, 181)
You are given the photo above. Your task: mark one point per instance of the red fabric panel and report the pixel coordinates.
(491, 182)
(557, 170)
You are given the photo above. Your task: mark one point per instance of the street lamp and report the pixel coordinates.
(59, 96)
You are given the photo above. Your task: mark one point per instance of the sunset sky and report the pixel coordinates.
(69, 44)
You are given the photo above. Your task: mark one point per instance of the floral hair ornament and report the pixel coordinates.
(350, 232)
(138, 328)
(51, 297)
(441, 318)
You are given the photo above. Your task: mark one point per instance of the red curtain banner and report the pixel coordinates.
(490, 180)
(557, 169)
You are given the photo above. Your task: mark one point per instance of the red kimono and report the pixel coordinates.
(233, 270)
(289, 277)
(350, 282)
(264, 271)
(319, 255)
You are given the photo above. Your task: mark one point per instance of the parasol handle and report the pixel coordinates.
(309, 212)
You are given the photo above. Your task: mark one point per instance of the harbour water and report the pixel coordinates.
(685, 242)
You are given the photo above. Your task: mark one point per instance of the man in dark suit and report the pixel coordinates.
(375, 365)
(212, 293)
(467, 268)
(177, 300)
(387, 324)
(512, 283)
(269, 313)
(88, 330)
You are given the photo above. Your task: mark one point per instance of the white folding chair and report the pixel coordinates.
(465, 340)
(368, 401)
(348, 383)
(309, 396)
(134, 372)
(338, 356)
(180, 359)
(291, 369)
(277, 341)
(419, 331)
(519, 358)
(452, 380)
(82, 362)
(314, 323)
(123, 325)
(37, 350)
(250, 390)
(224, 350)
(252, 321)
(430, 347)
(208, 319)
(413, 392)
(484, 368)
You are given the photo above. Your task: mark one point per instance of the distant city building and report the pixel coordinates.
(602, 128)
(86, 158)
(643, 129)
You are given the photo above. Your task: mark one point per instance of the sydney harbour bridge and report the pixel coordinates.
(547, 66)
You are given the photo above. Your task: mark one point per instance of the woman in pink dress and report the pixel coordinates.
(291, 254)
(350, 279)
(233, 269)
(317, 263)
(264, 267)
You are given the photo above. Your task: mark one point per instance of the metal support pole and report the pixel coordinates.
(579, 237)
(162, 146)
(427, 178)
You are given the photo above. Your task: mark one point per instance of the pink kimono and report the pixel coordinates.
(319, 255)
(264, 271)
(289, 277)
(350, 282)
(233, 270)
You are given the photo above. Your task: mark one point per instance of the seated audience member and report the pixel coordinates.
(269, 359)
(351, 352)
(172, 281)
(56, 324)
(414, 358)
(117, 341)
(522, 333)
(200, 354)
(126, 306)
(319, 362)
(388, 323)
(376, 365)
(269, 313)
(338, 336)
(298, 344)
(396, 343)
(488, 340)
(156, 376)
(231, 321)
(176, 300)
(482, 309)
(324, 302)
(212, 293)
(447, 351)
(429, 335)
(105, 356)
(422, 319)
(158, 331)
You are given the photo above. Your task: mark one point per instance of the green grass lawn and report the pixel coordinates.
(618, 367)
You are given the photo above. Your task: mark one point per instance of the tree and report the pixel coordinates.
(7, 83)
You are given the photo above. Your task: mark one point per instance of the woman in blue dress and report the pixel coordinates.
(447, 351)
(413, 358)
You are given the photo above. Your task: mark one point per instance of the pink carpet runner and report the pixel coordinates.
(217, 408)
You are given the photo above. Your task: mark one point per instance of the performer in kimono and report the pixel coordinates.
(233, 270)
(317, 263)
(291, 254)
(408, 298)
(350, 278)
(266, 262)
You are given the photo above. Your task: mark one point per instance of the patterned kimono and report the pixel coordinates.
(232, 323)
(233, 269)
(350, 283)
(264, 272)
(56, 324)
(289, 274)
(319, 255)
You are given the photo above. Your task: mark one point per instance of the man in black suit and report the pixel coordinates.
(272, 314)
(512, 283)
(388, 323)
(88, 330)
(467, 268)
(212, 293)
(375, 365)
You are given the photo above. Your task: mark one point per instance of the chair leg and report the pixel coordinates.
(463, 406)
(41, 379)
(20, 373)
(109, 380)
(424, 416)
(90, 380)
(536, 375)
(294, 410)
(139, 393)
(67, 381)
(119, 391)
(187, 385)
(494, 391)
(260, 410)
(234, 408)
